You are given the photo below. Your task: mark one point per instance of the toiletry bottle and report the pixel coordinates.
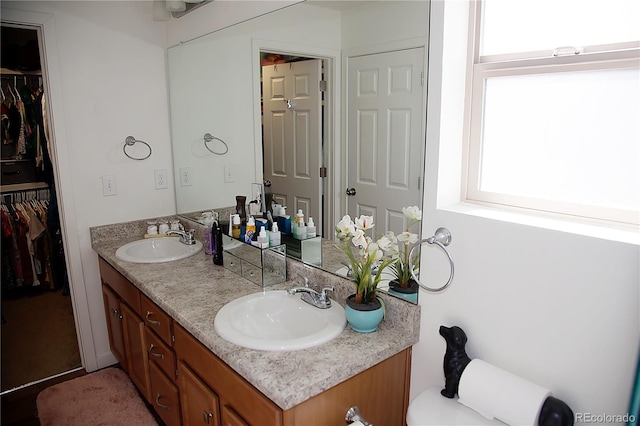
(235, 226)
(311, 228)
(301, 231)
(274, 236)
(263, 240)
(298, 220)
(217, 238)
(241, 208)
(207, 239)
(250, 231)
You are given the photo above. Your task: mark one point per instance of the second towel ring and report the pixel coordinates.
(130, 141)
(208, 137)
(442, 238)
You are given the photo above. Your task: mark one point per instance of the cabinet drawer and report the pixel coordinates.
(156, 319)
(233, 390)
(160, 353)
(114, 279)
(232, 263)
(165, 396)
(18, 171)
(252, 272)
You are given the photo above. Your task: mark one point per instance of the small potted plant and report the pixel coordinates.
(404, 285)
(364, 310)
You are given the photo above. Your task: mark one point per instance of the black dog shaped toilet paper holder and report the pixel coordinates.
(554, 412)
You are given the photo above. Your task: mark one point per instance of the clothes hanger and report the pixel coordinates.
(15, 88)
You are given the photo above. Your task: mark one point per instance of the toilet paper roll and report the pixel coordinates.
(496, 393)
(356, 423)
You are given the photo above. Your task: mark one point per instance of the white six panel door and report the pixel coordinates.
(385, 135)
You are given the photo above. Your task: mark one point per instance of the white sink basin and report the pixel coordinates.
(275, 320)
(157, 250)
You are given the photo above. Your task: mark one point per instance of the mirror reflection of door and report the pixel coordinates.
(292, 135)
(385, 125)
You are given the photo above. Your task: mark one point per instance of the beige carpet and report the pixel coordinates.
(106, 397)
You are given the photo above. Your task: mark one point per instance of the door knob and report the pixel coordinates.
(267, 183)
(351, 191)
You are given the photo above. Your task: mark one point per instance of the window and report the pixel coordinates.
(554, 119)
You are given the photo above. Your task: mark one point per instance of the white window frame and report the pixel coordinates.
(592, 58)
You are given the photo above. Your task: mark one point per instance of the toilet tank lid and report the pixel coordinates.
(431, 408)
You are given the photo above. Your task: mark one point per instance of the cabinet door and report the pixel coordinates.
(114, 325)
(165, 396)
(199, 403)
(133, 327)
(230, 417)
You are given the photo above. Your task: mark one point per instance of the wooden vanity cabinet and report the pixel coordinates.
(239, 402)
(188, 384)
(381, 392)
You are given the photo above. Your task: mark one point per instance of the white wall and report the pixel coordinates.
(558, 308)
(108, 81)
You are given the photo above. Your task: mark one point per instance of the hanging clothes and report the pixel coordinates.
(28, 247)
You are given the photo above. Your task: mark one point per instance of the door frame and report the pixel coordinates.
(44, 24)
(332, 129)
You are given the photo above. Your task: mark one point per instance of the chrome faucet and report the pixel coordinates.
(312, 297)
(185, 237)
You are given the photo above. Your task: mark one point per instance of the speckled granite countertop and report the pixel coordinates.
(192, 291)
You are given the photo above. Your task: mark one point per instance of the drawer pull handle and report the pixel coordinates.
(152, 322)
(206, 416)
(161, 356)
(166, 407)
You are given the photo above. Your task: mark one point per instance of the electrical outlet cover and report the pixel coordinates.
(161, 179)
(186, 176)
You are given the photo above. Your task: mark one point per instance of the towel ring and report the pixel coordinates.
(442, 238)
(208, 137)
(130, 141)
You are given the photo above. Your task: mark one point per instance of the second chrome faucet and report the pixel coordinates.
(319, 300)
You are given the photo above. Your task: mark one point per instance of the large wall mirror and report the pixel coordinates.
(227, 136)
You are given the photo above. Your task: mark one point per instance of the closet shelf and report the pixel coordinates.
(23, 187)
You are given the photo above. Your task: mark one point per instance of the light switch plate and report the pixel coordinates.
(109, 185)
(230, 173)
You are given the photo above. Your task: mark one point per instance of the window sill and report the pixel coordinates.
(610, 231)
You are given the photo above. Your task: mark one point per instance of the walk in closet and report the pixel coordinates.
(38, 330)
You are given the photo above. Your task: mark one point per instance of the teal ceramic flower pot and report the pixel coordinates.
(410, 293)
(363, 318)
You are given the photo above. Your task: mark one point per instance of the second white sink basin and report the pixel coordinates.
(157, 250)
(275, 320)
